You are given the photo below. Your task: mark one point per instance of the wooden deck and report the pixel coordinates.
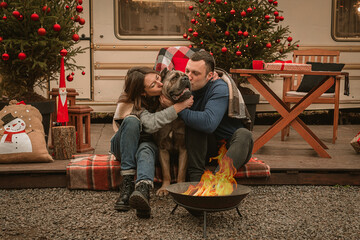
(292, 161)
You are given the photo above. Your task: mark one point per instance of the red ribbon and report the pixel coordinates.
(282, 63)
(9, 135)
(22, 103)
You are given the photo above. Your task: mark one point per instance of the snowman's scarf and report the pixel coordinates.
(10, 134)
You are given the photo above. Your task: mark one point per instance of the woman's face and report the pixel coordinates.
(153, 84)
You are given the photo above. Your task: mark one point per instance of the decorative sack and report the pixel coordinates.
(22, 137)
(93, 172)
(310, 81)
(355, 142)
(287, 65)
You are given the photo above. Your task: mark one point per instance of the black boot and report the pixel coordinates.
(139, 200)
(127, 188)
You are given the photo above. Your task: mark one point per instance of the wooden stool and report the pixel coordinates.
(78, 115)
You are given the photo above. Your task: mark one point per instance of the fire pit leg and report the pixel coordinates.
(204, 225)
(172, 212)
(237, 209)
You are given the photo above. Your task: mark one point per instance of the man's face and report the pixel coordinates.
(196, 71)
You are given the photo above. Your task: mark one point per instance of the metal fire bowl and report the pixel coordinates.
(207, 203)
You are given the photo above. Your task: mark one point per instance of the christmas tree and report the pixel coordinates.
(32, 34)
(237, 32)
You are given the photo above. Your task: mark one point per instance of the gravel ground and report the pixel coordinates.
(269, 212)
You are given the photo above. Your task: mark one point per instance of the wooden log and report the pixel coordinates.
(64, 142)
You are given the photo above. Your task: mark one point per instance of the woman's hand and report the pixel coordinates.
(185, 104)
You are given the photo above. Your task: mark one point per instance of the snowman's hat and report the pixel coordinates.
(7, 118)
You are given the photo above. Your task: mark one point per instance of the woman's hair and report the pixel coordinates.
(134, 85)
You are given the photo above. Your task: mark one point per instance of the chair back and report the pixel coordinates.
(312, 55)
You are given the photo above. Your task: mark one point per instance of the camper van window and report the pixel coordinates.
(151, 19)
(346, 20)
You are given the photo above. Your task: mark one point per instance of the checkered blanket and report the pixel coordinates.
(95, 172)
(254, 168)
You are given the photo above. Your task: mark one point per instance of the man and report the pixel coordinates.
(208, 118)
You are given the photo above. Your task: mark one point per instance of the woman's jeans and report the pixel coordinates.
(134, 156)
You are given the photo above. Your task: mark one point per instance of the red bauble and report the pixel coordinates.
(238, 53)
(225, 2)
(197, 14)
(277, 19)
(34, 17)
(70, 78)
(227, 33)
(208, 15)
(82, 21)
(218, 1)
(237, 46)
(201, 43)
(245, 34)
(281, 18)
(80, 2)
(5, 56)
(3, 5)
(57, 27)
(16, 14)
(189, 38)
(195, 34)
(240, 33)
(232, 11)
(41, 31)
(209, 2)
(277, 41)
(193, 21)
(247, 45)
(298, 45)
(83, 72)
(190, 30)
(224, 49)
(267, 17)
(77, 18)
(191, 7)
(211, 54)
(276, 13)
(213, 20)
(21, 17)
(46, 9)
(185, 35)
(201, 1)
(22, 56)
(190, 46)
(73, 73)
(63, 52)
(79, 8)
(75, 37)
(67, 7)
(249, 10)
(1, 39)
(268, 45)
(4, 17)
(271, 1)
(275, 3)
(243, 13)
(289, 39)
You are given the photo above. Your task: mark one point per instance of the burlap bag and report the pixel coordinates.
(22, 137)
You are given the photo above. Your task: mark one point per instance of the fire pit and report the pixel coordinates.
(207, 203)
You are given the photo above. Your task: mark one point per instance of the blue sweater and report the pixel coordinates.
(209, 113)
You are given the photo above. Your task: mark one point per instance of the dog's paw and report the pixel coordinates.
(162, 192)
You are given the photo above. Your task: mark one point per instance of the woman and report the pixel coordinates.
(134, 147)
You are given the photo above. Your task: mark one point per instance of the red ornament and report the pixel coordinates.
(268, 45)
(225, 2)
(197, 14)
(277, 41)
(267, 17)
(193, 21)
(243, 13)
(298, 45)
(277, 19)
(275, 3)
(238, 53)
(16, 14)
(201, 1)
(276, 13)
(77, 18)
(80, 2)
(41, 31)
(1, 39)
(189, 38)
(289, 39)
(209, 2)
(281, 18)
(73, 73)
(208, 15)
(83, 72)
(232, 11)
(46, 9)
(271, 1)
(21, 17)
(218, 1)
(79, 8)
(211, 54)
(240, 33)
(195, 34)
(67, 7)
(22, 56)
(201, 43)
(249, 10)
(3, 4)
(34, 17)
(227, 33)
(190, 46)
(4, 17)
(70, 78)
(224, 49)
(82, 21)
(190, 30)
(213, 20)
(63, 52)
(247, 45)
(191, 7)
(246, 34)
(5, 56)
(75, 37)
(57, 27)
(185, 35)
(237, 46)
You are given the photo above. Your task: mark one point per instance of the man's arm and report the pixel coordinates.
(209, 119)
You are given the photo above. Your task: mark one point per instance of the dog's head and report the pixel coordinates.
(177, 86)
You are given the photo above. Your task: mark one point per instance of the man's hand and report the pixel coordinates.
(165, 102)
(185, 104)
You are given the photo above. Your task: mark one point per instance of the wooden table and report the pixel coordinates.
(289, 115)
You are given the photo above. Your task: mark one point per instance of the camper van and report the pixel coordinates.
(120, 34)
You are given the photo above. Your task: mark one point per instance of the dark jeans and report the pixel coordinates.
(197, 144)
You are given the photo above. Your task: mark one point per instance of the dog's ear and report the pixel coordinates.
(163, 73)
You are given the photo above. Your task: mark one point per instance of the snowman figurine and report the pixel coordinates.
(15, 139)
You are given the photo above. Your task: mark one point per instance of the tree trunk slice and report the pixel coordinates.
(64, 142)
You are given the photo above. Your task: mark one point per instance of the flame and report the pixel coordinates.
(222, 183)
